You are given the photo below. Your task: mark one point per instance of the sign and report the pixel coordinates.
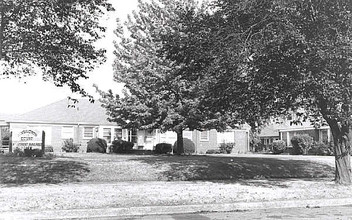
(27, 138)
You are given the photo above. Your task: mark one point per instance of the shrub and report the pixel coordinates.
(188, 146)
(226, 148)
(163, 148)
(301, 144)
(322, 149)
(18, 152)
(260, 147)
(97, 145)
(255, 142)
(213, 151)
(278, 146)
(29, 152)
(69, 146)
(121, 146)
(48, 149)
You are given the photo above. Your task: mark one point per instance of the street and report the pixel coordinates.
(337, 212)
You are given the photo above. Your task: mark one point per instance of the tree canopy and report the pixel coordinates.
(53, 36)
(157, 96)
(270, 57)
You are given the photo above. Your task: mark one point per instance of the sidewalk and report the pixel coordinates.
(167, 210)
(89, 200)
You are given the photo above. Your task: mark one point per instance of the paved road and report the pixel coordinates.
(339, 212)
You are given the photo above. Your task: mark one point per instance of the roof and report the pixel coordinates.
(272, 130)
(63, 112)
(4, 117)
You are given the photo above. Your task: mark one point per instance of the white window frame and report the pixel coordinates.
(111, 134)
(67, 132)
(115, 133)
(84, 133)
(204, 139)
(189, 134)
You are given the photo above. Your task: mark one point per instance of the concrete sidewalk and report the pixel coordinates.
(165, 210)
(93, 200)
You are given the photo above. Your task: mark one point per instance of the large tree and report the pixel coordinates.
(156, 95)
(272, 57)
(55, 37)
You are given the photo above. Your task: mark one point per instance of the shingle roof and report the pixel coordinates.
(83, 112)
(271, 130)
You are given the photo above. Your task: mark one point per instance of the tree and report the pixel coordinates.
(156, 97)
(272, 57)
(52, 36)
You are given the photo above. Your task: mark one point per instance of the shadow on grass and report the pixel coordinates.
(236, 168)
(22, 170)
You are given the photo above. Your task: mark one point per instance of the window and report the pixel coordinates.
(67, 132)
(132, 135)
(117, 133)
(107, 134)
(187, 134)
(88, 132)
(204, 136)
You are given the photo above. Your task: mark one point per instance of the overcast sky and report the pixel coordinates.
(25, 95)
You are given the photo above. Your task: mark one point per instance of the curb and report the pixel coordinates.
(166, 210)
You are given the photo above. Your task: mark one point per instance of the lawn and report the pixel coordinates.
(91, 181)
(93, 167)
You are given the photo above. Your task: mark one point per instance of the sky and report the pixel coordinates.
(20, 96)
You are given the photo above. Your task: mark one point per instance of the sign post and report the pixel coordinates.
(10, 142)
(43, 142)
(27, 138)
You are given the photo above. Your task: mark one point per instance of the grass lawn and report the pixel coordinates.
(90, 181)
(93, 167)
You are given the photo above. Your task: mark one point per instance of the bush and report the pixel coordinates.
(255, 142)
(29, 152)
(213, 151)
(322, 149)
(226, 148)
(163, 148)
(18, 152)
(121, 146)
(301, 144)
(48, 149)
(278, 146)
(188, 146)
(69, 146)
(97, 145)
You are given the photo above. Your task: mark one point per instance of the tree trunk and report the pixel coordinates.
(2, 24)
(342, 135)
(179, 142)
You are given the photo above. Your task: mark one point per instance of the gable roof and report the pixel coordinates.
(62, 112)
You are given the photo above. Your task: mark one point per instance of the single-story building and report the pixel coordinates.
(85, 120)
(321, 134)
(269, 134)
(286, 130)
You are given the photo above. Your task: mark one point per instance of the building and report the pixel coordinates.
(321, 134)
(269, 134)
(84, 120)
(285, 130)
